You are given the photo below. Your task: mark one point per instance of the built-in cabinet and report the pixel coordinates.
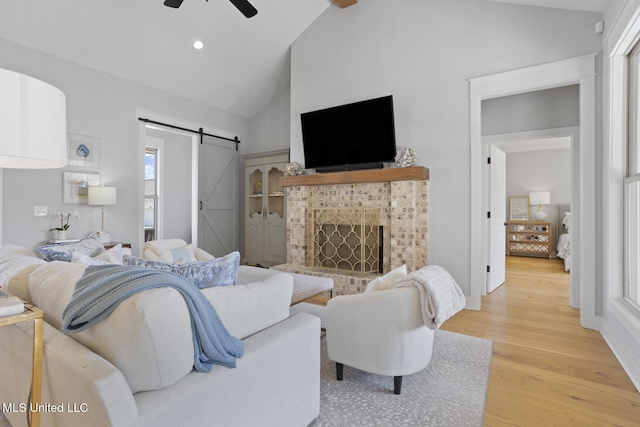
(265, 228)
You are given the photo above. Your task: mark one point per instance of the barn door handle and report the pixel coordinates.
(264, 213)
(200, 204)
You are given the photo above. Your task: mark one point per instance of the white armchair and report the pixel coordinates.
(379, 332)
(167, 249)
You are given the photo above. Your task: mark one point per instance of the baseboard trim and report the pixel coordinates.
(630, 363)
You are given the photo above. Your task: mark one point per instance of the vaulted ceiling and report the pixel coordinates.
(243, 64)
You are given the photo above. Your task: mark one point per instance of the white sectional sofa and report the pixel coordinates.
(134, 368)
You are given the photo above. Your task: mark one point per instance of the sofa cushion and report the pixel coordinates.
(148, 336)
(62, 252)
(221, 271)
(16, 263)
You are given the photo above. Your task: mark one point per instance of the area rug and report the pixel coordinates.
(451, 391)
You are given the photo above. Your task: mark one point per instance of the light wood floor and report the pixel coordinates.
(546, 369)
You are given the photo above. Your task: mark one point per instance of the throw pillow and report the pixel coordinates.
(183, 254)
(111, 256)
(62, 252)
(388, 280)
(221, 271)
(80, 258)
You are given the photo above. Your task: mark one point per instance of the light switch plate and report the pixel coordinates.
(40, 211)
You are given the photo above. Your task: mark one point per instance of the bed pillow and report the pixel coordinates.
(62, 252)
(221, 271)
(566, 221)
(388, 280)
(110, 256)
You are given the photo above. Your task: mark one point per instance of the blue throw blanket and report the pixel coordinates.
(102, 287)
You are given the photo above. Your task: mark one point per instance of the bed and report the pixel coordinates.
(564, 235)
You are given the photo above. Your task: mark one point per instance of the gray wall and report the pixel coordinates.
(176, 184)
(424, 52)
(542, 109)
(102, 106)
(541, 170)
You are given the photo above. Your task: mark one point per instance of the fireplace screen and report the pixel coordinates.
(347, 239)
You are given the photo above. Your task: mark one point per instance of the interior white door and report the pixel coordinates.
(497, 231)
(218, 218)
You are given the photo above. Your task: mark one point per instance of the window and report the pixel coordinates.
(150, 193)
(632, 186)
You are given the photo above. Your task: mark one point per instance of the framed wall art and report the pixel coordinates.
(75, 187)
(519, 208)
(83, 153)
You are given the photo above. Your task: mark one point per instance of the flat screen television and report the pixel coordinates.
(360, 135)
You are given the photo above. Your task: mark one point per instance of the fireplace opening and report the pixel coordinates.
(348, 239)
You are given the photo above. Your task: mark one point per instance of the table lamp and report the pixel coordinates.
(539, 198)
(33, 123)
(102, 196)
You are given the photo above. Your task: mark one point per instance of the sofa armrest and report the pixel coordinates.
(72, 375)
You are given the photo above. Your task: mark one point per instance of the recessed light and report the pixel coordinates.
(198, 44)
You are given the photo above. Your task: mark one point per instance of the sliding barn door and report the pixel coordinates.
(219, 205)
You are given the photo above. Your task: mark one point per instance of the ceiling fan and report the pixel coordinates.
(243, 6)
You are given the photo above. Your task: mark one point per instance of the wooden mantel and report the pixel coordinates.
(414, 173)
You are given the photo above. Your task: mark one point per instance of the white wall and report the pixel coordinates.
(424, 52)
(541, 109)
(102, 106)
(270, 129)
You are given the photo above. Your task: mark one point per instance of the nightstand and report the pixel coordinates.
(110, 245)
(33, 314)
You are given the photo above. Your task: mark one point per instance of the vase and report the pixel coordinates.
(58, 234)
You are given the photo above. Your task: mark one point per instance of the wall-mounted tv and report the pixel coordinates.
(352, 136)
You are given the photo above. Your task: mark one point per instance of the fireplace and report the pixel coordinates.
(392, 207)
(347, 239)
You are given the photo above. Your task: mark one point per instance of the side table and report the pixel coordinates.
(112, 244)
(33, 314)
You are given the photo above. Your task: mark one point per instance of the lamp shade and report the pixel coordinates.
(33, 123)
(539, 198)
(102, 195)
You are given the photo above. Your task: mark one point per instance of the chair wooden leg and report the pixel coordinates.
(397, 384)
(339, 370)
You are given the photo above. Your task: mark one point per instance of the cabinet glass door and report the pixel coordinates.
(255, 193)
(276, 193)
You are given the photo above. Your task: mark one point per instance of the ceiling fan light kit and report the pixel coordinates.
(243, 6)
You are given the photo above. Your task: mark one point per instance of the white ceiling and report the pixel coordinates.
(244, 62)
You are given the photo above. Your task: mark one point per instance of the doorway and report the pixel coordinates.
(197, 200)
(540, 160)
(579, 71)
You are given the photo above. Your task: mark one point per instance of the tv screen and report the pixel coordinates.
(351, 134)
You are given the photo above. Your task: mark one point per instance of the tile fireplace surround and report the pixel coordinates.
(401, 195)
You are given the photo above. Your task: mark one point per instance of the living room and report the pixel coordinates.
(424, 53)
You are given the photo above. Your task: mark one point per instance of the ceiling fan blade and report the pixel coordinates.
(173, 3)
(245, 7)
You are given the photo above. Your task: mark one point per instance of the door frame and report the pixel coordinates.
(571, 132)
(581, 71)
(195, 141)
